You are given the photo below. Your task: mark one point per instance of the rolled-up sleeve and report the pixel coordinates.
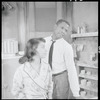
(72, 73)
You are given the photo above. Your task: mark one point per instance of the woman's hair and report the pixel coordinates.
(30, 50)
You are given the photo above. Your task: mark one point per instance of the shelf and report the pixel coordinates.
(88, 88)
(10, 57)
(84, 35)
(81, 64)
(89, 97)
(89, 77)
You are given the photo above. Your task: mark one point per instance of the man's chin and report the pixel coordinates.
(59, 37)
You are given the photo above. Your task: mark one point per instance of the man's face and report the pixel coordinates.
(61, 30)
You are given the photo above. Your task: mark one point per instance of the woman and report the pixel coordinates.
(33, 79)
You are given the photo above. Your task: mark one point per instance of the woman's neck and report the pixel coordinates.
(36, 62)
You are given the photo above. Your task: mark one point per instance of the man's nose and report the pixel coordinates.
(64, 32)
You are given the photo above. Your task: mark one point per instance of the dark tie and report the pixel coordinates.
(50, 54)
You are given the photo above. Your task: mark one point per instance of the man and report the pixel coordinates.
(62, 63)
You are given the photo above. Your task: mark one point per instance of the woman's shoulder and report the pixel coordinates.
(19, 71)
(20, 68)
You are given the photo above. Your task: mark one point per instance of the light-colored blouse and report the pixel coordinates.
(28, 84)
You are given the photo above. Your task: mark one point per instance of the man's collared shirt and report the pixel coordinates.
(63, 59)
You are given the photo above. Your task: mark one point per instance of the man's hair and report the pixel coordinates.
(30, 50)
(62, 20)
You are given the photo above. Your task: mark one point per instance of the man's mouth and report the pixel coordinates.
(63, 33)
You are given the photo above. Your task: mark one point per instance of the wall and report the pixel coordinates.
(85, 12)
(9, 24)
(45, 19)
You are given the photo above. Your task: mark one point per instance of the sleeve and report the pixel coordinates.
(50, 87)
(72, 73)
(17, 89)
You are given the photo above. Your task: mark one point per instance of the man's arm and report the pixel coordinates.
(72, 73)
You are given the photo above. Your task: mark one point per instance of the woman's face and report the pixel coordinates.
(41, 51)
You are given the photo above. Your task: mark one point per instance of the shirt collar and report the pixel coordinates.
(54, 40)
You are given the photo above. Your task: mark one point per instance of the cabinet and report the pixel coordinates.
(9, 66)
(88, 80)
(87, 64)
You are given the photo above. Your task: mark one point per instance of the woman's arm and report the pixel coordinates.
(17, 89)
